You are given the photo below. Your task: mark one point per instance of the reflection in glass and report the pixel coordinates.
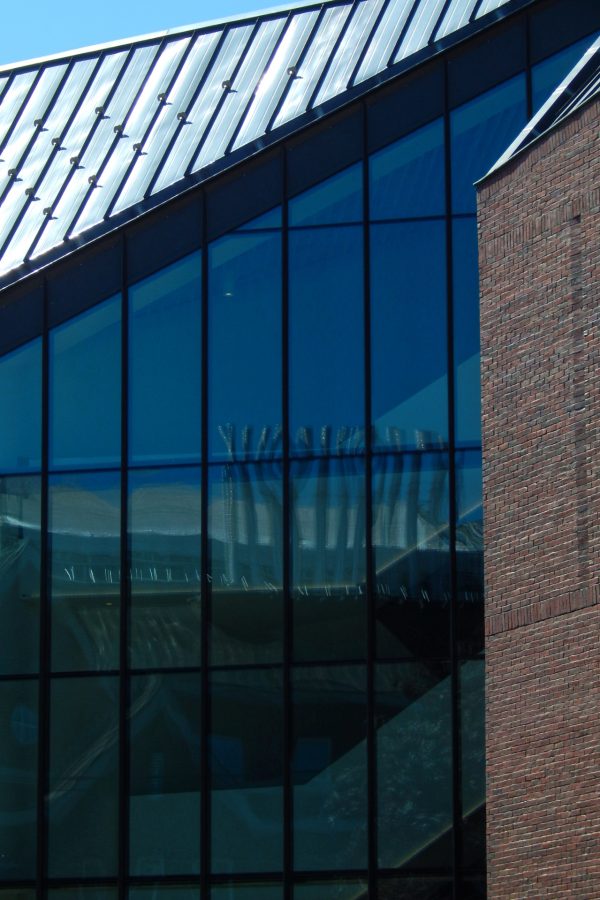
(244, 408)
(331, 890)
(271, 219)
(20, 508)
(246, 771)
(18, 894)
(21, 409)
(466, 333)
(472, 723)
(164, 541)
(326, 340)
(168, 892)
(547, 75)
(407, 178)
(481, 130)
(245, 527)
(409, 335)
(411, 554)
(165, 316)
(165, 774)
(256, 891)
(338, 199)
(85, 389)
(83, 780)
(328, 559)
(414, 725)
(82, 893)
(18, 778)
(415, 889)
(329, 768)
(84, 525)
(469, 552)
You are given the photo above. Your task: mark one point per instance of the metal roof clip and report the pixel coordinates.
(55, 142)
(182, 116)
(93, 180)
(137, 147)
(226, 85)
(162, 97)
(38, 123)
(12, 173)
(74, 160)
(99, 110)
(118, 129)
(292, 71)
(48, 211)
(30, 192)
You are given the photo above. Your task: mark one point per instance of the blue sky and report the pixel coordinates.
(39, 27)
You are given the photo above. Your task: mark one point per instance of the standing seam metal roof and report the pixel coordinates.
(98, 136)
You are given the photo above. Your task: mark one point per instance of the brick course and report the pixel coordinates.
(539, 232)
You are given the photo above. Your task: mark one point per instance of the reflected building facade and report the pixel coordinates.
(240, 513)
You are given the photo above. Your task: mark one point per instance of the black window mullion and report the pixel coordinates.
(205, 587)
(123, 780)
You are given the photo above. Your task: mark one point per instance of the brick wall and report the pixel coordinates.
(539, 230)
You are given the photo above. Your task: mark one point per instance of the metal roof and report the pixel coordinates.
(95, 137)
(580, 86)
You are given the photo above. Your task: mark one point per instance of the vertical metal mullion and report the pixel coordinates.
(454, 668)
(288, 810)
(371, 742)
(205, 595)
(44, 648)
(123, 828)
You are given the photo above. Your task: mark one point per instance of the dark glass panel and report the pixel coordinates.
(245, 346)
(165, 365)
(411, 554)
(18, 778)
(466, 333)
(340, 889)
(257, 891)
(82, 893)
(473, 889)
(548, 74)
(409, 335)
(326, 340)
(85, 570)
(246, 771)
(414, 725)
(17, 894)
(481, 130)
(165, 774)
(83, 780)
(268, 220)
(469, 552)
(407, 178)
(164, 547)
(168, 234)
(245, 529)
(324, 149)
(21, 408)
(248, 192)
(20, 559)
(168, 892)
(477, 65)
(21, 314)
(328, 559)
(555, 25)
(405, 105)
(472, 723)
(85, 389)
(415, 889)
(338, 199)
(329, 768)
(90, 276)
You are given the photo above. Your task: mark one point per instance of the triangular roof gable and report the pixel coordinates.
(94, 138)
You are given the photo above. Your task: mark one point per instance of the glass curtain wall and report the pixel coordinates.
(241, 532)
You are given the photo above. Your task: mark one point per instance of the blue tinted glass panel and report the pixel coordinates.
(83, 893)
(340, 889)
(246, 771)
(472, 721)
(469, 552)
(85, 570)
(21, 409)
(247, 892)
(170, 892)
(328, 559)
(407, 178)
(85, 389)
(411, 554)
(20, 559)
(408, 335)
(413, 709)
(83, 778)
(329, 768)
(18, 778)
(481, 131)
(326, 341)
(548, 74)
(245, 346)
(245, 526)
(338, 199)
(165, 317)
(271, 219)
(164, 774)
(164, 547)
(466, 333)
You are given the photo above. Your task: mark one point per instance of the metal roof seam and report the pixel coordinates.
(329, 62)
(440, 21)
(403, 32)
(367, 43)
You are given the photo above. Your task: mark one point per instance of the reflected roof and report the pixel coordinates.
(94, 138)
(581, 85)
